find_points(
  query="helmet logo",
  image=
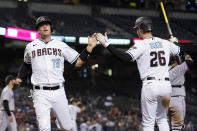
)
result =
(42, 19)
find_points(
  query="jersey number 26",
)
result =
(158, 59)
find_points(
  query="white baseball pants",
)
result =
(74, 126)
(47, 100)
(153, 108)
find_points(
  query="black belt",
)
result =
(4, 110)
(178, 96)
(47, 88)
(153, 78)
(177, 86)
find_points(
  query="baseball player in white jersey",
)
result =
(84, 126)
(74, 110)
(95, 126)
(152, 56)
(177, 106)
(7, 107)
(45, 56)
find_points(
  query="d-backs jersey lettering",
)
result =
(47, 60)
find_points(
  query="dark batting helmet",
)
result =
(143, 23)
(43, 19)
(9, 78)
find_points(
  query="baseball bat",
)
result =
(168, 27)
(166, 19)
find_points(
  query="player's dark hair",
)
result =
(9, 78)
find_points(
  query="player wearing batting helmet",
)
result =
(43, 19)
(45, 57)
(152, 55)
(144, 23)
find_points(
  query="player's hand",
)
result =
(188, 57)
(18, 81)
(83, 108)
(173, 39)
(103, 39)
(91, 42)
(10, 119)
(78, 103)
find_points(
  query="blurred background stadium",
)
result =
(108, 89)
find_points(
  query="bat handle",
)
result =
(169, 30)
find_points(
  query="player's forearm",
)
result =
(82, 109)
(89, 49)
(83, 57)
(122, 56)
(23, 70)
(6, 107)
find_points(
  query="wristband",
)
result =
(84, 55)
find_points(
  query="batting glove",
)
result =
(103, 39)
(173, 40)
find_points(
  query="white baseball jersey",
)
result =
(95, 127)
(177, 77)
(73, 109)
(83, 127)
(7, 94)
(47, 60)
(152, 56)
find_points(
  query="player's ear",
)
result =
(38, 30)
(141, 31)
